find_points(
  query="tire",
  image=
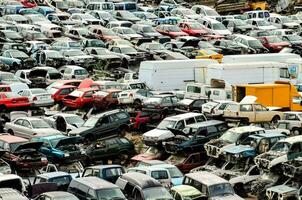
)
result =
(296, 131)
(275, 119)
(2, 108)
(239, 190)
(124, 157)
(122, 131)
(11, 132)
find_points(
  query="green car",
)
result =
(186, 192)
(113, 148)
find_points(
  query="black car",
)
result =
(190, 105)
(62, 179)
(194, 136)
(107, 124)
(163, 104)
(229, 47)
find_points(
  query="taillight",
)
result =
(35, 99)
(130, 95)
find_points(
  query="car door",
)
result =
(16, 127)
(98, 150)
(247, 112)
(27, 130)
(191, 162)
(103, 127)
(112, 147)
(87, 98)
(261, 113)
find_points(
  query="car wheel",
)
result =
(123, 131)
(11, 132)
(296, 131)
(275, 119)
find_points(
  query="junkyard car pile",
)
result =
(97, 102)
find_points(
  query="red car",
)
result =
(172, 31)
(5, 88)
(10, 100)
(140, 119)
(187, 162)
(58, 93)
(192, 28)
(79, 98)
(106, 99)
(274, 43)
(28, 3)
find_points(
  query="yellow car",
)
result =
(208, 54)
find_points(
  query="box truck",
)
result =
(173, 74)
(247, 72)
(283, 95)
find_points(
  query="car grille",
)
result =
(212, 150)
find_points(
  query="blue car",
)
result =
(176, 175)
(61, 149)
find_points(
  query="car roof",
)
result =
(104, 166)
(183, 116)
(268, 134)
(58, 194)
(152, 162)
(95, 183)
(52, 175)
(206, 178)
(245, 37)
(293, 139)
(186, 190)
(244, 129)
(141, 180)
(12, 139)
(205, 123)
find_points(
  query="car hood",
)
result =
(29, 145)
(193, 16)
(281, 189)
(66, 141)
(157, 133)
(46, 131)
(79, 130)
(237, 149)
(228, 197)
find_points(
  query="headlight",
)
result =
(82, 151)
(237, 155)
(43, 159)
(66, 154)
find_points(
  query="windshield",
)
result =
(74, 53)
(148, 29)
(8, 77)
(274, 39)
(74, 44)
(173, 29)
(109, 194)
(196, 26)
(127, 50)
(156, 193)
(108, 32)
(286, 20)
(255, 44)
(210, 12)
(263, 23)
(87, 16)
(294, 37)
(174, 172)
(163, 125)
(83, 32)
(39, 124)
(156, 46)
(239, 22)
(230, 136)
(18, 54)
(281, 147)
(91, 122)
(220, 190)
(188, 12)
(74, 120)
(128, 31)
(218, 26)
(13, 146)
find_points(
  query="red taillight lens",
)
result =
(35, 99)
(130, 95)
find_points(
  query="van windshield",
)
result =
(220, 190)
(108, 194)
(166, 124)
(154, 193)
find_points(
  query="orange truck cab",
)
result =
(280, 94)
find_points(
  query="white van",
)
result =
(162, 175)
(257, 14)
(105, 6)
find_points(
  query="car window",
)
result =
(88, 94)
(200, 118)
(88, 172)
(180, 125)
(166, 100)
(122, 115)
(246, 108)
(26, 124)
(190, 121)
(19, 122)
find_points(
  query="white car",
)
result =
(29, 127)
(283, 22)
(214, 26)
(73, 72)
(64, 122)
(38, 97)
(185, 13)
(261, 24)
(22, 75)
(136, 96)
(215, 108)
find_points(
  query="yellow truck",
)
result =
(280, 94)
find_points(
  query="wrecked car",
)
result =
(64, 122)
(43, 76)
(16, 59)
(283, 151)
(193, 137)
(62, 179)
(50, 58)
(61, 149)
(186, 162)
(103, 100)
(214, 148)
(21, 154)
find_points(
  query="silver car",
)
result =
(65, 122)
(38, 97)
(29, 127)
